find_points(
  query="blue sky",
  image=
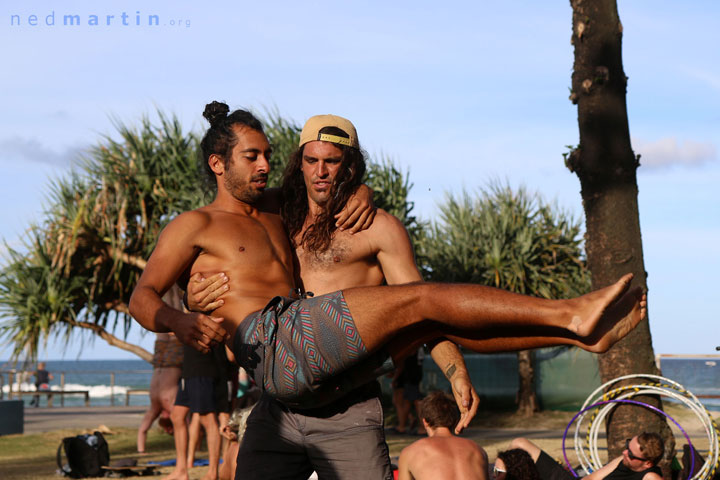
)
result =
(460, 93)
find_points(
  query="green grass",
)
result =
(32, 456)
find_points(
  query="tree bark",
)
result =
(606, 166)
(527, 399)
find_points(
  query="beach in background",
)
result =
(492, 375)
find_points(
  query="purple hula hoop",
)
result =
(634, 402)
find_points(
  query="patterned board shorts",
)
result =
(168, 353)
(306, 353)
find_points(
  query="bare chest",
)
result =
(245, 241)
(350, 261)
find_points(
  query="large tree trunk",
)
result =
(527, 399)
(606, 166)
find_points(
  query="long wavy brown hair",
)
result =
(317, 237)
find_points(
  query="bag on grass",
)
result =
(85, 455)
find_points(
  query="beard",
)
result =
(242, 190)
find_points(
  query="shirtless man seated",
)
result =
(277, 342)
(442, 456)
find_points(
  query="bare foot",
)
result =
(210, 476)
(177, 475)
(589, 310)
(619, 320)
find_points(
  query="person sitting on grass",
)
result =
(442, 455)
(638, 461)
(515, 464)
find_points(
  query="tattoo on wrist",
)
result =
(450, 371)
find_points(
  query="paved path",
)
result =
(79, 418)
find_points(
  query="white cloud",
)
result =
(30, 149)
(668, 151)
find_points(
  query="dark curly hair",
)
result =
(220, 137)
(318, 236)
(519, 465)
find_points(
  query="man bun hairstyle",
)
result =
(216, 112)
(220, 137)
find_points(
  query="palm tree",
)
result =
(79, 266)
(511, 240)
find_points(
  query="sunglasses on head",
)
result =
(630, 454)
(496, 471)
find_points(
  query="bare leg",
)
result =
(163, 387)
(402, 407)
(468, 312)
(167, 385)
(212, 437)
(194, 439)
(630, 309)
(178, 416)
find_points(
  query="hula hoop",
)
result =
(634, 402)
(609, 400)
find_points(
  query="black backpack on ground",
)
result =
(85, 455)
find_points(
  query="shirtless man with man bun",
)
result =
(344, 439)
(302, 365)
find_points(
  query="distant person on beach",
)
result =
(407, 395)
(202, 394)
(167, 368)
(638, 461)
(312, 351)
(42, 382)
(442, 455)
(515, 464)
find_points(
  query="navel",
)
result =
(241, 249)
(336, 259)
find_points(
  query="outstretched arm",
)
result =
(173, 254)
(398, 264)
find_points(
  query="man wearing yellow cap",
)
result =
(344, 439)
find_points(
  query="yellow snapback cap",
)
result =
(311, 131)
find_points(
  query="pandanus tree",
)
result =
(509, 239)
(79, 265)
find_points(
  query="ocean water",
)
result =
(92, 375)
(700, 376)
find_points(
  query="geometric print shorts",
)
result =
(306, 352)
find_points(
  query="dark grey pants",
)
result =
(344, 441)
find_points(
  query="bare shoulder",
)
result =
(414, 448)
(187, 225)
(200, 217)
(652, 476)
(386, 227)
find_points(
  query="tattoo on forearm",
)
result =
(450, 371)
